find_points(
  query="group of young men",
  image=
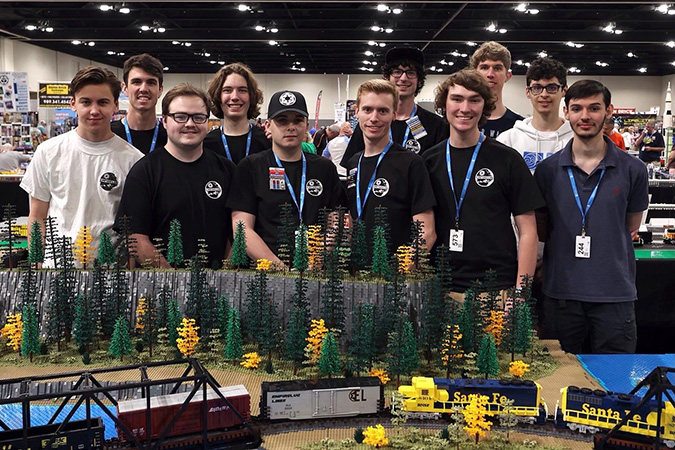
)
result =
(468, 189)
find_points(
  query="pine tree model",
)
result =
(239, 258)
(120, 343)
(106, 251)
(233, 346)
(36, 252)
(174, 253)
(329, 361)
(30, 339)
(83, 328)
(487, 361)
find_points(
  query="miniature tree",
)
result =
(60, 307)
(380, 266)
(295, 338)
(97, 298)
(120, 343)
(83, 251)
(300, 302)
(518, 368)
(381, 219)
(523, 328)
(222, 314)
(420, 255)
(315, 339)
(507, 416)
(475, 414)
(28, 289)
(30, 336)
(402, 348)
(488, 285)
(239, 258)
(301, 258)
(188, 340)
(487, 361)
(332, 303)
(9, 217)
(52, 239)
(117, 302)
(106, 251)
(381, 374)
(286, 237)
(233, 346)
(329, 361)
(315, 247)
(36, 254)
(256, 300)
(271, 331)
(375, 436)
(146, 322)
(433, 311)
(495, 326)
(404, 257)
(443, 268)
(392, 309)
(83, 328)
(174, 253)
(469, 367)
(359, 247)
(163, 298)
(174, 321)
(127, 244)
(456, 427)
(197, 301)
(361, 350)
(251, 361)
(451, 350)
(469, 322)
(13, 331)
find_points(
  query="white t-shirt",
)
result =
(82, 181)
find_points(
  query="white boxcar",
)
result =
(304, 399)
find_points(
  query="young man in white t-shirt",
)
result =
(78, 177)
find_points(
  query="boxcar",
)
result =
(74, 435)
(132, 413)
(304, 399)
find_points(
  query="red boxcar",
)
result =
(132, 413)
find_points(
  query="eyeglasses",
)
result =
(198, 118)
(537, 89)
(398, 73)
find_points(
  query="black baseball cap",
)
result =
(284, 101)
(400, 54)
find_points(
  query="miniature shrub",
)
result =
(358, 435)
(86, 358)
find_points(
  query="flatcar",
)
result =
(591, 411)
(430, 398)
(72, 435)
(132, 413)
(337, 397)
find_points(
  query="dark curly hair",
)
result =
(387, 70)
(545, 68)
(472, 80)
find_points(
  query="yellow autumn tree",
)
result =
(141, 311)
(381, 374)
(404, 257)
(251, 360)
(263, 264)
(316, 334)
(188, 337)
(83, 252)
(451, 350)
(475, 416)
(314, 246)
(375, 436)
(495, 326)
(13, 331)
(518, 368)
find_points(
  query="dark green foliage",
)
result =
(418, 246)
(296, 332)
(329, 360)
(381, 219)
(380, 266)
(174, 321)
(30, 338)
(341, 239)
(402, 348)
(443, 268)
(36, 252)
(523, 329)
(60, 306)
(120, 343)
(361, 348)
(174, 253)
(239, 258)
(163, 299)
(106, 251)
(28, 285)
(358, 435)
(52, 249)
(269, 367)
(233, 347)
(286, 237)
(149, 324)
(487, 361)
(86, 358)
(392, 309)
(433, 314)
(270, 335)
(222, 314)
(332, 303)
(139, 347)
(469, 322)
(44, 349)
(255, 301)
(126, 247)
(301, 258)
(359, 247)
(118, 302)
(98, 297)
(83, 329)
(444, 434)
(300, 301)
(491, 299)
(9, 217)
(197, 302)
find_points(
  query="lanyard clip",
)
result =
(457, 223)
(583, 231)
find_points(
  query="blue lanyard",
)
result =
(227, 148)
(154, 136)
(359, 205)
(302, 184)
(407, 128)
(448, 163)
(590, 199)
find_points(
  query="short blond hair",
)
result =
(378, 87)
(491, 50)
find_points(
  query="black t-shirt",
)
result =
(320, 140)
(251, 192)
(401, 184)
(237, 144)
(142, 140)
(160, 188)
(501, 185)
(652, 140)
(494, 128)
(437, 131)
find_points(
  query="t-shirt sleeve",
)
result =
(659, 142)
(421, 193)
(524, 194)
(136, 202)
(242, 195)
(355, 146)
(638, 197)
(36, 179)
(540, 177)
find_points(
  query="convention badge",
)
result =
(456, 240)
(416, 127)
(582, 247)
(351, 178)
(277, 178)
(413, 146)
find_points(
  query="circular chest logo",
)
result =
(484, 177)
(213, 190)
(108, 181)
(287, 99)
(380, 187)
(413, 146)
(314, 187)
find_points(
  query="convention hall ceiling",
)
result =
(592, 37)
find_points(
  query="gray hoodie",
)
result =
(535, 145)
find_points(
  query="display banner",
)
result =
(15, 96)
(54, 95)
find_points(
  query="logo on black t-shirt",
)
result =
(213, 190)
(412, 145)
(484, 177)
(380, 187)
(314, 187)
(108, 181)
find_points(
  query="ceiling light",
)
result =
(522, 7)
(188, 44)
(243, 8)
(611, 28)
(91, 43)
(381, 44)
(642, 70)
(212, 62)
(601, 64)
(145, 27)
(274, 30)
(368, 53)
(166, 68)
(397, 10)
(110, 52)
(76, 42)
(573, 44)
(371, 43)
(631, 55)
(259, 28)
(206, 54)
(617, 31)
(161, 30)
(388, 30)
(671, 44)
(273, 42)
(125, 10)
(671, 12)
(222, 63)
(31, 27)
(175, 42)
(471, 44)
(375, 28)
(574, 70)
(491, 27)
(105, 7)
(543, 54)
(662, 8)
(49, 29)
(382, 7)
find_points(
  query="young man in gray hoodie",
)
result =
(538, 137)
